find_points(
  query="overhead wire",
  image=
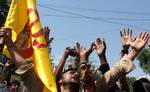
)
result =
(97, 10)
(107, 18)
(92, 18)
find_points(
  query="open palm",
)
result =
(126, 38)
(140, 41)
(101, 47)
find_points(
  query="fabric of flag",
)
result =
(16, 20)
(17, 16)
(29, 14)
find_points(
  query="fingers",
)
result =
(121, 34)
(46, 31)
(78, 46)
(50, 41)
(146, 37)
(130, 33)
(140, 35)
(93, 46)
(104, 42)
(100, 41)
(125, 32)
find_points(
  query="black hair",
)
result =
(14, 82)
(69, 69)
(73, 86)
(141, 85)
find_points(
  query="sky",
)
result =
(83, 21)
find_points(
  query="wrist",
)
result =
(101, 55)
(124, 51)
(132, 55)
(125, 48)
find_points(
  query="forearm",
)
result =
(103, 59)
(104, 67)
(123, 52)
(60, 66)
(132, 55)
(19, 60)
(119, 70)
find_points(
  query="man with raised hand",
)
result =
(124, 66)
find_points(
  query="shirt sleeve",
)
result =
(103, 68)
(119, 70)
(123, 67)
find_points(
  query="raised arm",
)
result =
(138, 44)
(85, 53)
(125, 65)
(101, 50)
(126, 38)
(19, 60)
(62, 62)
(47, 36)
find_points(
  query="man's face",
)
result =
(71, 77)
(14, 88)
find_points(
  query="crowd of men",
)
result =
(79, 76)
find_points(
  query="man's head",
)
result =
(70, 80)
(141, 85)
(70, 76)
(14, 86)
(85, 67)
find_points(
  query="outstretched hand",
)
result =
(140, 41)
(126, 37)
(47, 35)
(100, 47)
(84, 53)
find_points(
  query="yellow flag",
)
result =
(17, 16)
(42, 63)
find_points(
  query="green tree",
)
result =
(130, 81)
(144, 58)
(4, 7)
